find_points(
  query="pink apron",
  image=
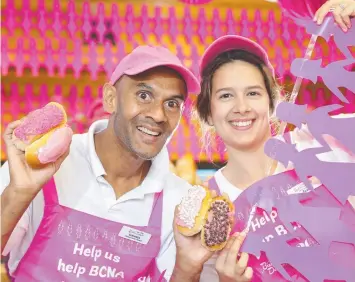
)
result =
(263, 269)
(70, 245)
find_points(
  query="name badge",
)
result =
(135, 235)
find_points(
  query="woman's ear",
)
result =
(209, 121)
(109, 98)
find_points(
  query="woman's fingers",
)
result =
(231, 258)
(338, 18)
(242, 264)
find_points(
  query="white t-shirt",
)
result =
(81, 186)
(209, 273)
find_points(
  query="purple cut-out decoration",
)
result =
(15, 92)
(194, 58)
(202, 30)
(258, 23)
(299, 35)
(62, 57)
(71, 19)
(28, 96)
(33, 62)
(49, 58)
(87, 99)
(57, 26)
(179, 53)
(77, 64)
(115, 28)
(244, 23)
(26, 22)
(173, 25)
(86, 19)
(120, 51)
(4, 57)
(187, 24)
(285, 33)
(272, 23)
(158, 29)
(319, 122)
(129, 22)
(279, 63)
(311, 69)
(109, 64)
(93, 65)
(101, 28)
(19, 57)
(216, 29)
(10, 21)
(307, 164)
(230, 22)
(145, 22)
(42, 19)
(43, 95)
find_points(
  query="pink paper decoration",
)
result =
(78, 39)
(197, 2)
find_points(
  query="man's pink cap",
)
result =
(145, 57)
(234, 42)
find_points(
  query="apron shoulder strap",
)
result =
(212, 185)
(50, 193)
(156, 215)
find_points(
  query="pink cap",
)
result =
(146, 57)
(234, 42)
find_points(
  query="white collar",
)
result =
(155, 179)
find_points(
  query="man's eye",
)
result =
(173, 104)
(144, 96)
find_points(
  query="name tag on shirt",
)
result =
(135, 235)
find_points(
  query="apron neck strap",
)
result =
(157, 211)
(212, 185)
(50, 193)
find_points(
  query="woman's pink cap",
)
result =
(146, 57)
(234, 42)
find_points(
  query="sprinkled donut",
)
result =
(212, 217)
(43, 135)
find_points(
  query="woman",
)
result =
(237, 100)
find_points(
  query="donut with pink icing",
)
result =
(44, 135)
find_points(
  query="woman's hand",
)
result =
(232, 267)
(342, 11)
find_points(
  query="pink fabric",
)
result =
(144, 58)
(234, 42)
(74, 246)
(264, 224)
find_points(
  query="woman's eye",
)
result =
(225, 96)
(253, 93)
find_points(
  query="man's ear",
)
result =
(109, 98)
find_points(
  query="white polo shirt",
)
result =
(81, 186)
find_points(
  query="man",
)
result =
(108, 211)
